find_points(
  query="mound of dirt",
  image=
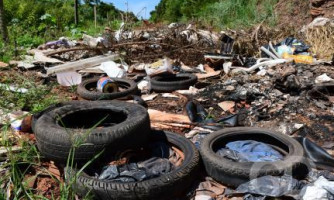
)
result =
(323, 8)
(293, 13)
(296, 13)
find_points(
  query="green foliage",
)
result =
(36, 99)
(238, 13)
(29, 41)
(5, 55)
(216, 13)
(176, 10)
(33, 22)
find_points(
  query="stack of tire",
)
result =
(92, 127)
(160, 83)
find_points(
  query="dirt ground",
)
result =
(280, 100)
(294, 14)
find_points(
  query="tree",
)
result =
(76, 13)
(3, 26)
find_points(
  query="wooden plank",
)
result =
(82, 64)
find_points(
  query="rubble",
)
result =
(280, 90)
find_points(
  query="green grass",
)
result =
(36, 99)
(238, 14)
(14, 184)
(27, 39)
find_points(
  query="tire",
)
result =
(36, 116)
(83, 89)
(170, 83)
(235, 173)
(125, 125)
(165, 186)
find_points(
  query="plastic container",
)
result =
(305, 59)
(106, 85)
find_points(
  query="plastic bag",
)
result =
(159, 67)
(148, 169)
(249, 151)
(69, 78)
(298, 45)
(272, 186)
(114, 70)
(319, 190)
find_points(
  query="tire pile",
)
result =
(123, 126)
(161, 83)
(105, 128)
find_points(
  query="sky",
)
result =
(136, 6)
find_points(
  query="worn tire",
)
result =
(130, 128)
(96, 95)
(235, 173)
(165, 186)
(169, 83)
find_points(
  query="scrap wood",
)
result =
(226, 105)
(82, 64)
(208, 69)
(208, 75)
(209, 187)
(87, 48)
(179, 157)
(82, 48)
(161, 125)
(3, 65)
(39, 57)
(176, 122)
(156, 115)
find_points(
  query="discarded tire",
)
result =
(110, 125)
(169, 83)
(165, 186)
(87, 89)
(235, 173)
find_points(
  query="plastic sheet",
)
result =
(69, 78)
(249, 151)
(136, 171)
(156, 165)
(272, 186)
(319, 190)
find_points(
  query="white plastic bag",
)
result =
(159, 67)
(114, 70)
(69, 78)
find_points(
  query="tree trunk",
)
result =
(3, 26)
(95, 15)
(76, 13)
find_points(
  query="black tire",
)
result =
(130, 127)
(84, 92)
(169, 83)
(166, 186)
(36, 116)
(235, 173)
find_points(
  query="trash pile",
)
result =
(140, 92)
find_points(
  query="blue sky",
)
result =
(136, 6)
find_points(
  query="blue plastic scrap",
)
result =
(249, 151)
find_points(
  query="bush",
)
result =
(238, 13)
